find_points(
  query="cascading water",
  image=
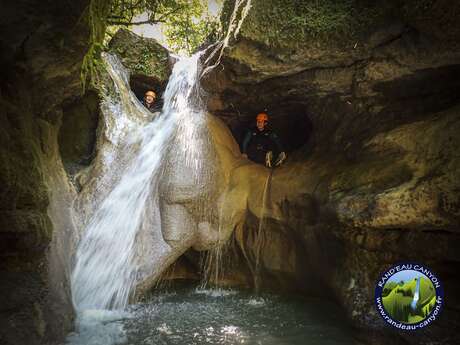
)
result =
(153, 196)
(156, 199)
(108, 258)
(416, 295)
(260, 236)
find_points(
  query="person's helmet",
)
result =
(150, 93)
(262, 117)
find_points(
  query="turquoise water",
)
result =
(194, 316)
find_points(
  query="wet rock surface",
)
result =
(373, 181)
(370, 117)
(148, 62)
(41, 51)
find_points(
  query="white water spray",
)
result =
(105, 273)
(416, 294)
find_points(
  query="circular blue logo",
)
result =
(409, 296)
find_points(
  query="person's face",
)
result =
(261, 124)
(149, 98)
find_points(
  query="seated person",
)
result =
(149, 101)
(260, 142)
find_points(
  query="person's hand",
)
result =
(281, 158)
(268, 159)
(244, 155)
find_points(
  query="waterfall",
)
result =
(416, 294)
(260, 237)
(107, 268)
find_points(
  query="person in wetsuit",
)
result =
(149, 102)
(260, 142)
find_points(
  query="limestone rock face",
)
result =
(364, 96)
(148, 62)
(77, 135)
(370, 176)
(50, 143)
(137, 64)
(42, 46)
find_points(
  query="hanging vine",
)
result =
(96, 14)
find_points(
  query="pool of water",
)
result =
(200, 316)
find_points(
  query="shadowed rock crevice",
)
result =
(77, 134)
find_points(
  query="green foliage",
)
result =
(187, 27)
(159, 11)
(96, 15)
(319, 16)
(187, 30)
(397, 303)
(122, 12)
(280, 22)
(143, 65)
(389, 286)
(426, 310)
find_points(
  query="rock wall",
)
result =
(148, 62)
(364, 97)
(370, 179)
(42, 46)
(104, 133)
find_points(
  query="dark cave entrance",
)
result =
(291, 122)
(140, 84)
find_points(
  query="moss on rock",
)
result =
(143, 56)
(289, 23)
(293, 23)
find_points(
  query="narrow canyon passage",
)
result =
(129, 222)
(153, 180)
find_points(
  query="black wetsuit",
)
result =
(257, 143)
(153, 108)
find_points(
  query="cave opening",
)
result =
(290, 121)
(139, 84)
